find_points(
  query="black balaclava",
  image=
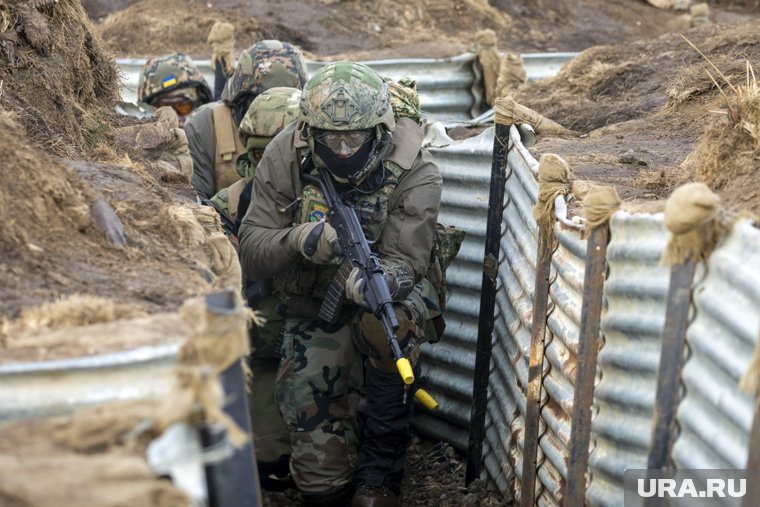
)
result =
(345, 167)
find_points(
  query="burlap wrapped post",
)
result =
(693, 216)
(509, 112)
(216, 340)
(222, 41)
(599, 204)
(488, 58)
(512, 74)
(554, 178)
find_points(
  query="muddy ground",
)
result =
(647, 118)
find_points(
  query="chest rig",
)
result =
(370, 200)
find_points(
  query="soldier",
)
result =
(347, 126)
(212, 131)
(268, 114)
(173, 80)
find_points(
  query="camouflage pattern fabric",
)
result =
(346, 96)
(404, 98)
(266, 64)
(171, 72)
(448, 240)
(267, 115)
(371, 209)
(318, 371)
(415, 315)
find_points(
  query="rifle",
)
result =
(353, 243)
(227, 226)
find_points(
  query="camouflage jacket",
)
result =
(406, 239)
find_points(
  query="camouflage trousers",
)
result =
(319, 380)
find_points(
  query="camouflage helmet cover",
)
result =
(346, 96)
(171, 72)
(266, 64)
(405, 101)
(268, 114)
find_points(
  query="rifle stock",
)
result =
(353, 243)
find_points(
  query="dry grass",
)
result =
(730, 150)
(73, 311)
(695, 81)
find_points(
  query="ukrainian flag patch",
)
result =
(169, 81)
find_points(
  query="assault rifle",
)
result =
(353, 243)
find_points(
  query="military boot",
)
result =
(368, 496)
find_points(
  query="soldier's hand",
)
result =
(317, 241)
(355, 286)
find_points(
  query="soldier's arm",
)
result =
(199, 129)
(263, 234)
(408, 236)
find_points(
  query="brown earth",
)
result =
(646, 109)
(642, 108)
(363, 29)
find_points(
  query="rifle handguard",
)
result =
(405, 369)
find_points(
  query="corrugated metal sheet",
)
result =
(545, 65)
(448, 365)
(635, 292)
(715, 416)
(444, 84)
(48, 388)
(511, 351)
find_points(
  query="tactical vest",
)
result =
(228, 148)
(372, 210)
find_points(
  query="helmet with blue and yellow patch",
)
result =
(171, 72)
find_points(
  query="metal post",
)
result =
(233, 482)
(585, 375)
(671, 363)
(487, 303)
(752, 498)
(536, 367)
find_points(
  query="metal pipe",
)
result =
(588, 349)
(671, 364)
(536, 366)
(487, 303)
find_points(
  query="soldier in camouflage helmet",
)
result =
(173, 80)
(268, 114)
(379, 167)
(212, 131)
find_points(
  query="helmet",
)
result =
(265, 65)
(168, 73)
(346, 96)
(268, 114)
